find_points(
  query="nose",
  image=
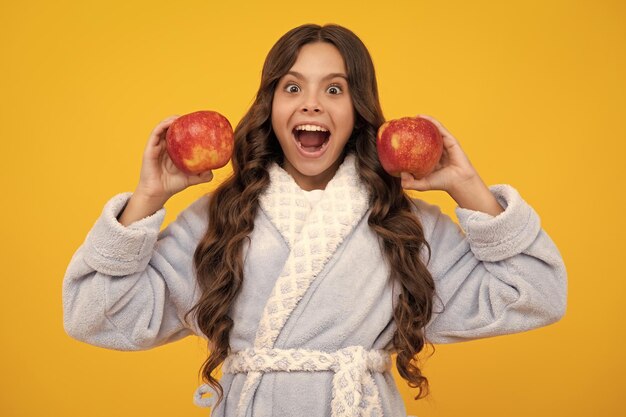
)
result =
(311, 104)
(312, 108)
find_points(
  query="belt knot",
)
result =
(354, 391)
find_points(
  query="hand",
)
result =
(160, 178)
(452, 172)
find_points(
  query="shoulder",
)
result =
(426, 212)
(429, 215)
(198, 210)
(194, 219)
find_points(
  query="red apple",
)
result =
(409, 144)
(200, 141)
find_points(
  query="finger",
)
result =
(409, 182)
(427, 117)
(450, 142)
(201, 178)
(157, 133)
(437, 123)
(406, 179)
(405, 176)
(168, 164)
(416, 185)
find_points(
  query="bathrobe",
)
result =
(313, 323)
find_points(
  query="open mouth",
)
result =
(311, 139)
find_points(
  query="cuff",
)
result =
(113, 249)
(494, 239)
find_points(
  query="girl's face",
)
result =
(313, 115)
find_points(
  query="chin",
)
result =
(311, 169)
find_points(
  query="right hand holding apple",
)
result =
(160, 178)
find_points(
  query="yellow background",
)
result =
(533, 90)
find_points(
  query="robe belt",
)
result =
(354, 391)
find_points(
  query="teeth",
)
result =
(311, 128)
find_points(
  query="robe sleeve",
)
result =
(493, 275)
(128, 288)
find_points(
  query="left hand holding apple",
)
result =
(455, 175)
(453, 169)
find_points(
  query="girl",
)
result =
(310, 265)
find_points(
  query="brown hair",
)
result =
(233, 206)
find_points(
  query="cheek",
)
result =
(348, 118)
(348, 112)
(275, 119)
(278, 127)
(280, 112)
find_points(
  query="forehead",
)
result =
(319, 58)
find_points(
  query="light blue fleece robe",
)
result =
(128, 288)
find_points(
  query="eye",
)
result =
(334, 89)
(292, 88)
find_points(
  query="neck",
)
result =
(313, 182)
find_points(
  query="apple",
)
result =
(409, 144)
(200, 141)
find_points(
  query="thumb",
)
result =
(201, 178)
(410, 183)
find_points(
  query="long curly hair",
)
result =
(232, 209)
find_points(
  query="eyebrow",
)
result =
(329, 76)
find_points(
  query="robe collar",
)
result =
(345, 201)
(312, 234)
